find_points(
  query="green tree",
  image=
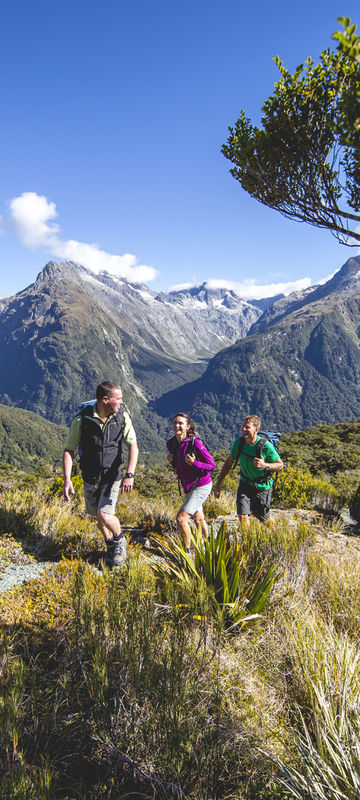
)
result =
(305, 159)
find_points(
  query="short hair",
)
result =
(254, 419)
(189, 421)
(106, 389)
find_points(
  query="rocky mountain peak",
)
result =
(346, 281)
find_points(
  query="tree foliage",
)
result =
(305, 159)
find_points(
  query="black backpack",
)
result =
(265, 436)
(191, 449)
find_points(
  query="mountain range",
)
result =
(299, 365)
(294, 360)
(71, 329)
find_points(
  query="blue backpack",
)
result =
(87, 403)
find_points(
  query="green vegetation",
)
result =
(304, 161)
(302, 370)
(324, 448)
(29, 441)
(230, 675)
(328, 453)
(238, 591)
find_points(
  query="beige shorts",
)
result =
(99, 498)
(195, 498)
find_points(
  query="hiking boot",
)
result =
(109, 558)
(115, 552)
(119, 551)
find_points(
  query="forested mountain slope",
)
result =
(303, 368)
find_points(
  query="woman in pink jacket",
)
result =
(193, 465)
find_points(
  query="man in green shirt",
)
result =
(255, 487)
(101, 430)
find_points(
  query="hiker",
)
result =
(258, 459)
(100, 430)
(192, 463)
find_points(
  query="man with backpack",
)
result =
(100, 430)
(258, 459)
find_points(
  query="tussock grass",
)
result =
(326, 685)
(132, 688)
(142, 696)
(224, 506)
(57, 527)
(152, 515)
(336, 589)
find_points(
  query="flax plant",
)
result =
(238, 594)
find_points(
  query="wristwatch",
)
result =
(129, 475)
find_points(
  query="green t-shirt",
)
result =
(248, 471)
(74, 432)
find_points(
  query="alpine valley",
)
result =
(298, 366)
(293, 360)
(71, 329)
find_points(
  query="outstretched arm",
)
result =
(68, 458)
(224, 471)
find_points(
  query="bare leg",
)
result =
(199, 519)
(244, 520)
(182, 520)
(109, 525)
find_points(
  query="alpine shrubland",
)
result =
(233, 675)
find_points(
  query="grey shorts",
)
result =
(98, 498)
(195, 498)
(251, 499)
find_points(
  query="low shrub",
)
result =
(57, 486)
(295, 488)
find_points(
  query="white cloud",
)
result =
(182, 287)
(30, 217)
(249, 289)
(30, 214)
(325, 280)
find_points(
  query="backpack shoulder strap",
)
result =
(85, 411)
(260, 444)
(171, 445)
(239, 451)
(191, 448)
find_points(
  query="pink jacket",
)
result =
(198, 473)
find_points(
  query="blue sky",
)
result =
(113, 117)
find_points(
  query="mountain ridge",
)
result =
(206, 351)
(301, 369)
(70, 329)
